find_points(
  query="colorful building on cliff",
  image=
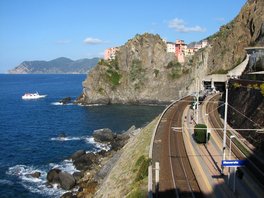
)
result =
(180, 47)
(170, 47)
(182, 51)
(110, 53)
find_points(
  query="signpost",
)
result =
(233, 163)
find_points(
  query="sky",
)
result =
(76, 29)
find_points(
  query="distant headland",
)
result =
(60, 65)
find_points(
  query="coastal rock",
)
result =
(103, 135)
(66, 100)
(77, 176)
(66, 180)
(68, 195)
(85, 162)
(53, 176)
(78, 154)
(35, 174)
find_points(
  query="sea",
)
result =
(30, 130)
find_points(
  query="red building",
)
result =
(180, 47)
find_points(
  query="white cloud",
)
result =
(92, 41)
(180, 26)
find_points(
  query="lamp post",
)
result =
(225, 124)
(197, 100)
(230, 145)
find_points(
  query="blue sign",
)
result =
(233, 163)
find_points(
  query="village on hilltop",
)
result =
(179, 48)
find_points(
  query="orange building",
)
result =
(110, 53)
(180, 47)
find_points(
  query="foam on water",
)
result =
(6, 182)
(39, 185)
(60, 103)
(66, 166)
(90, 140)
(90, 105)
(98, 146)
(66, 138)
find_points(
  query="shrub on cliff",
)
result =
(142, 168)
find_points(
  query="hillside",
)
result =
(227, 46)
(57, 66)
(128, 178)
(143, 72)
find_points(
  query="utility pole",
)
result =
(225, 123)
(197, 102)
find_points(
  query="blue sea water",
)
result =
(29, 129)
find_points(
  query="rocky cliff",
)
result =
(144, 72)
(246, 105)
(227, 47)
(57, 66)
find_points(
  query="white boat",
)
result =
(32, 96)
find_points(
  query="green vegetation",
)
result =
(200, 131)
(142, 168)
(236, 85)
(156, 72)
(221, 71)
(137, 73)
(112, 73)
(241, 148)
(138, 193)
(262, 89)
(101, 90)
(175, 69)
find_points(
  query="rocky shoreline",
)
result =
(92, 167)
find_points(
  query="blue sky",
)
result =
(48, 29)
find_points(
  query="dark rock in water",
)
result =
(68, 195)
(35, 174)
(53, 176)
(77, 154)
(116, 145)
(67, 181)
(103, 135)
(77, 176)
(65, 100)
(102, 153)
(85, 162)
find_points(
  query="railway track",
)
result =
(176, 178)
(254, 166)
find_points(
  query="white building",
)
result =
(171, 47)
(204, 43)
